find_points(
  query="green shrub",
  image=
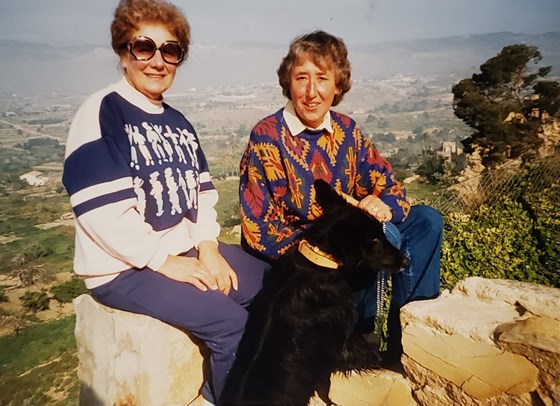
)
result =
(67, 291)
(544, 209)
(35, 301)
(514, 240)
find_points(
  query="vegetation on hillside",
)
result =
(38, 365)
(515, 237)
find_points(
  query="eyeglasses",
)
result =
(144, 49)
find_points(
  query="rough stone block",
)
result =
(132, 359)
(487, 342)
(376, 388)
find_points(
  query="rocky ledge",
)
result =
(487, 342)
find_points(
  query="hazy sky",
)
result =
(74, 22)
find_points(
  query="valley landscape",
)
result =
(401, 98)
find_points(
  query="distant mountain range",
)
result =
(33, 69)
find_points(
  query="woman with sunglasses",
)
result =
(140, 188)
(306, 140)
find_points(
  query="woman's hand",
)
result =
(211, 259)
(376, 207)
(189, 270)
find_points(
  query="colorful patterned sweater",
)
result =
(278, 170)
(138, 183)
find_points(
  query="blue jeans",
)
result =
(420, 237)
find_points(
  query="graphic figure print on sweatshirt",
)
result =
(136, 175)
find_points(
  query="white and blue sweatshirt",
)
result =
(138, 183)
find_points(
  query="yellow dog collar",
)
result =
(315, 255)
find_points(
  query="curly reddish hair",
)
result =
(130, 14)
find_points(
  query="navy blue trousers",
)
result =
(215, 318)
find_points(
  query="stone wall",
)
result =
(488, 342)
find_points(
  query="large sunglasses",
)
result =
(144, 49)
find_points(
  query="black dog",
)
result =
(301, 324)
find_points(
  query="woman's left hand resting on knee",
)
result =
(210, 270)
(211, 259)
(189, 270)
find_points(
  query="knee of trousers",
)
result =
(228, 332)
(427, 217)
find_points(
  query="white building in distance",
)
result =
(34, 178)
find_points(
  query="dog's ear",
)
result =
(326, 196)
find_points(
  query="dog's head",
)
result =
(354, 238)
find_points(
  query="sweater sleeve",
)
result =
(377, 178)
(265, 228)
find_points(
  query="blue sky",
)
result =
(75, 22)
